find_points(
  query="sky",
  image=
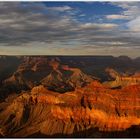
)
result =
(70, 28)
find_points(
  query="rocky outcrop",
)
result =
(48, 113)
(66, 79)
(49, 72)
(77, 78)
(121, 81)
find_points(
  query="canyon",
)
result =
(63, 96)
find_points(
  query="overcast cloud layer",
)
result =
(65, 29)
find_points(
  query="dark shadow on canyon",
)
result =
(132, 132)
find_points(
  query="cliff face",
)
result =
(120, 80)
(49, 72)
(28, 73)
(48, 113)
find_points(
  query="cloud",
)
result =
(98, 26)
(60, 9)
(30, 22)
(24, 23)
(56, 30)
(134, 25)
(130, 9)
(115, 17)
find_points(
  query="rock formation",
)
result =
(121, 81)
(48, 113)
(32, 103)
(49, 72)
